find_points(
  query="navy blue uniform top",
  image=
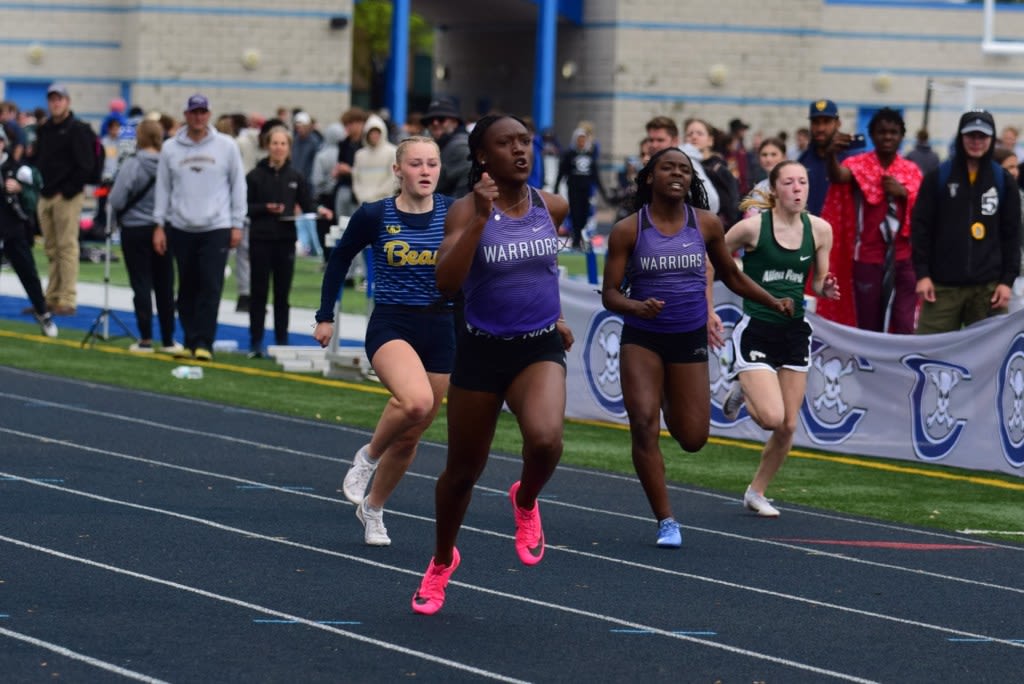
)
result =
(404, 254)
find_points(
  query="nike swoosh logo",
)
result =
(539, 548)
(536, 229)
(688, 244)
(804, 258)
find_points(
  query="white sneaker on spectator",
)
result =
(47, 325)
(760, 505)
(374, 532)
(357, 479)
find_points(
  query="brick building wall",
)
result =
(157, 52)
(760, 60)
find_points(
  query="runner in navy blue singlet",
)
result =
(410, 339)
(656, 277)
(500, 248)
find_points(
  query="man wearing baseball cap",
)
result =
(65, 153)
(965, 232)
(824, 120)
(199, 209)
(446, 126)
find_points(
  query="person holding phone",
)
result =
(869, 203)
(824, 123)
(275, 188)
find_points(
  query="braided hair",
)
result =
(696, 195)
(476, 142)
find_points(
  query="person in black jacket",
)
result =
(965, 233)
(65, 154)
(16, 180)
(275, 189)
(448, 128)
(579, 168)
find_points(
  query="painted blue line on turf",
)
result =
(293, 488)
(4, 615)
(52, 480)
(272, 621)
(647, 631)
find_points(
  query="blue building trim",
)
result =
(170, 9)
(62, 43)
(544, 65)
(801, 103)
(398, 66)
(951, 5)
(121, 84)
(788, 31)
(921, 72)
(570, 10)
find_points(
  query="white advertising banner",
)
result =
(954, 399)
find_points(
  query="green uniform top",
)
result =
(780, 271)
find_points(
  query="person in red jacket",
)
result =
(869, 203)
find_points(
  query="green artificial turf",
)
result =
(899, 491)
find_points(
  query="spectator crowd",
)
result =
(921, 244)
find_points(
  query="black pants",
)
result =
(201, 258)
(579, 214)
(19, 253)
(149, 274)
(270, 258)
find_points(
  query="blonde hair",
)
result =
(404, 146)
(764, 201)
(280, 129)
(149, 134)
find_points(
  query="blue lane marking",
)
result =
(4, 615)
(978, 640)
(51, 480)
(680, 632)
(542, 497)
(295, 488)
(282, 621)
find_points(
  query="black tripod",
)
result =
(100, 327)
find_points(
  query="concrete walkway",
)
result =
(232, 328)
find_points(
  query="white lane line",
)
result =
(420, 654)
(508, 459)
(579, 507)
(584, 554)
(1006, 532)
(261, 609)
(81, 657)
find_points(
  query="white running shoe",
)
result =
(47, 325)
(357, 479)
(374, 534)
(733, 401)
(760, 505)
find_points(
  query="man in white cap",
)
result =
(199, 209)
(965, 232)
(307, 143)
(65, 156)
